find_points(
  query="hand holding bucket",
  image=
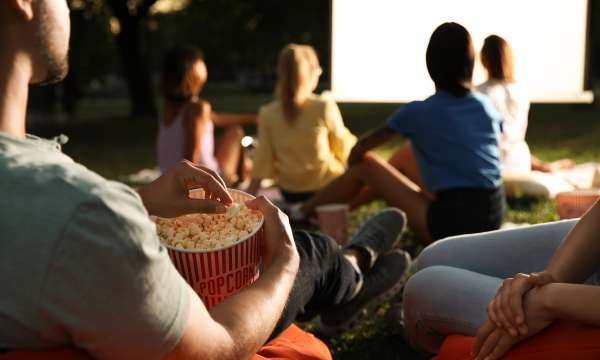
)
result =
(221, 272)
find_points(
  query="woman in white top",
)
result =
(513, 104)
(187, 122)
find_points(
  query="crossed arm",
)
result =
(528, 303)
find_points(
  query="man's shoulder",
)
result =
(38, 183)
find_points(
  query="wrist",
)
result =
(547, 296)
(285, 262)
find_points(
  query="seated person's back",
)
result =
(303, 149)
(303, 143)
(454, 138)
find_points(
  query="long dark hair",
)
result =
(450, 58)
(497, 58)
(177, 83)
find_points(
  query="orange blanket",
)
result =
(562, 340)
(292, 344)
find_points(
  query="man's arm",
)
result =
(240, 325)
(237, 327)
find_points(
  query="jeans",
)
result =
(325, 279)
(457, 277)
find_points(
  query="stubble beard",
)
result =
(57, 65)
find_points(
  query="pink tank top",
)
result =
(171, 140)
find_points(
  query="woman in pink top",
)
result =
(187, 122)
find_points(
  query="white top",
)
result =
(513, 104)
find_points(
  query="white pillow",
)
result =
(535, 184)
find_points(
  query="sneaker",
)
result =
(381, 283)
(379, 234)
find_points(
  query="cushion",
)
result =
(535, 184)
(562, 340)
(55, 354)
(292, 344)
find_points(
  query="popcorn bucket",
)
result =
(218, 274)
(333, 221)
(574, 204)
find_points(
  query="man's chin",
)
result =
(54, 75)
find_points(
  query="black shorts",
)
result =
(465, 211)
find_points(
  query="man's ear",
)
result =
(23, 7)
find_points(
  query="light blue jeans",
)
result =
(457, 277)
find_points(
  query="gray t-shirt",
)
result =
(80, 261)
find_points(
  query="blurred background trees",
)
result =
(117, 45)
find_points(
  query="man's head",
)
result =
(450, 58)
(39, 31)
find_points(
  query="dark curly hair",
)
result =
(177, 83)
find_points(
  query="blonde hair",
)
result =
(297, 66)
(497, 58)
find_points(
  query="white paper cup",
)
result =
(333, 221)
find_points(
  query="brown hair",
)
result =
(450, 58)
(296, 65)
(497, 58)
(178, 82)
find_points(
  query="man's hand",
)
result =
(506, 309)
(278, 244)
(492, 341)
(168, 196)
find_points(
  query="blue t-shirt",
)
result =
(455, 140)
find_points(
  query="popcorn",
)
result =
(234, 209)
(208, 231)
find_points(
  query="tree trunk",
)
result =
(135, 70)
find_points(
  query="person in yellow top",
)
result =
(303, 143)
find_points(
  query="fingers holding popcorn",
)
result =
(214, 187)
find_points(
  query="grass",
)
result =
(104, 139)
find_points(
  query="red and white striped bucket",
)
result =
(574, 204)
(218, 274)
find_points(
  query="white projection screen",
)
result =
(378, 46)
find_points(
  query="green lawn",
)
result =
(106, 141)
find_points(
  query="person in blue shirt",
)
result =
(454, 137)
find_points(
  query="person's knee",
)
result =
(369, 162)
(417, 302)
(432, 255)
(370, 159)
(420, 284)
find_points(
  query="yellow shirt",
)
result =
(306, 154)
